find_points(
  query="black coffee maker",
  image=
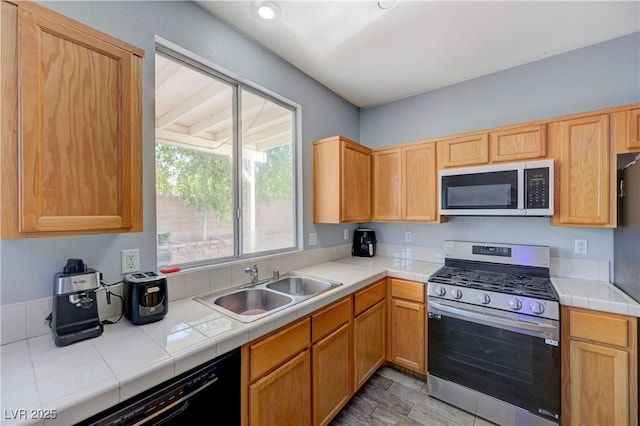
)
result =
(364, 242)
(75, 306)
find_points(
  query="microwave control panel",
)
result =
(537, 184)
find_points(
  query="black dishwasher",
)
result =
(211, 390)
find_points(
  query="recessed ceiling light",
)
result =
(386, 4)
(266, 10)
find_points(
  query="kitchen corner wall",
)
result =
(599, 76)
(27, 266)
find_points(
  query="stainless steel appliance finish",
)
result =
(250, 302)
(211, 391)
(511, 189)
(74, 315)
(146, 297)
(494, 332)
(626, 237)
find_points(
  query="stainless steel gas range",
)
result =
(494, 333)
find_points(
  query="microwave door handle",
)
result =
(521, 188)
(487, 318)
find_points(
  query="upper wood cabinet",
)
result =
(627, 124)
(461, 151)
(585, 174)
(71, 127)
(405, 183)
(341, 181)
(599, 368)
(386, 184)
(518, 143)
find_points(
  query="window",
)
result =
(225, 166)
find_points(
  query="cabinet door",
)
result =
(369, 343)
(598, 385)
(464, 151)
(356, 183)
(80, 132)
(633, 140)
(519, 143)
(283, 397)
(585, 172)
(408, 334)
(331, 360)
(420, 183)
(386, 184)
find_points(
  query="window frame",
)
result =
(190, 59)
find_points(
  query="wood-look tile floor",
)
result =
(392, 397)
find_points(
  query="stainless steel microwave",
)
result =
(512, 189)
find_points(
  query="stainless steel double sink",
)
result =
(250, 302)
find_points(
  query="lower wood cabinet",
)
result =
(283, 397)
(305, 372)
(408, 325)
(599, 368)
(331, 356)
(331, 375)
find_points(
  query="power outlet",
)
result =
(580, 246)
(407, 237)
(346, 234)
(130, 261)
(313, 239)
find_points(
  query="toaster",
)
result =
(145, 297)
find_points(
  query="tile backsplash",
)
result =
(25, 320)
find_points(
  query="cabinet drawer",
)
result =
(600, 327)
(364, 299)
(276, 349)
(409, 290)
(330, 318)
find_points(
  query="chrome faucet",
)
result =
(253, 271)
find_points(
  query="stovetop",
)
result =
(523, 285)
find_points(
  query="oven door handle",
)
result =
(499, 321)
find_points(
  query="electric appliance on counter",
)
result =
(494, 333)
(210, 391)
(514, 189)
(75, 309)
(364, 242)
(626, 237)
(145, 297)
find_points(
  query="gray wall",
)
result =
(27, 267)
(599, 76)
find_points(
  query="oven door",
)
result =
(485, 190)
(507, 358)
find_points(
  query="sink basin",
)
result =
(299, 286)
(248, 304)
(252, 301)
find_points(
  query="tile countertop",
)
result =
(87, 377)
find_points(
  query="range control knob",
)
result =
(484, 298)
(537, 307)
(440, 291)
(456, 293)
(515, 304)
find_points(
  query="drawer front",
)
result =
(364, 299)
(276, 349)
(408, 290)
(600, 327)
(330, 319)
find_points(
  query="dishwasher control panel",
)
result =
(164, 399)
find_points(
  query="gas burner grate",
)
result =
(512, 284)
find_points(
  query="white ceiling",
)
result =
(371, 56)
